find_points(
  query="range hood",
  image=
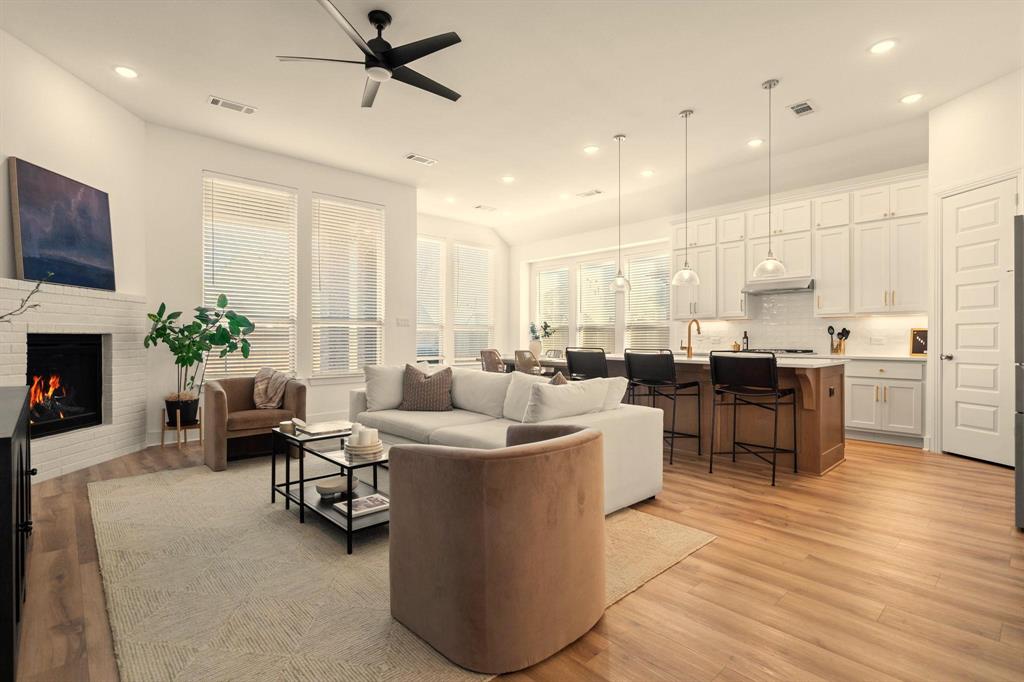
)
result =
(779, 285)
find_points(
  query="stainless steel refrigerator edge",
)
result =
(1018, 352)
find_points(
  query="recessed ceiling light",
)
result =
(508, 179)
(450, 200)
(591, 149)
(126, 72)
(563, 195)
(882, 46)
(912, 98)
(756, 142)
(646, 173)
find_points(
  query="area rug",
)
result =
(206, 580)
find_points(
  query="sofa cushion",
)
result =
(616, 390)
(487, 435)
(518, 395)
(423, 392)
(550, 401)
(383, 387)
(479, 391)
(417, 426)
(257, 419)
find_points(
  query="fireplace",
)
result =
(65, 379)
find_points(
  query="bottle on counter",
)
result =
(746, 340)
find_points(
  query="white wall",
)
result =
(175, 161)
(50, 118)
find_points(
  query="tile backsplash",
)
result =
(788, 321)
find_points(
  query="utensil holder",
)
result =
(838, 347)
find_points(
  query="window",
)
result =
(595, 315)
(647, 303)
(249, 234)
(552, 306)
(348, 285)
(473, 320)
(429, 299)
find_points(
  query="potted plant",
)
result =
(212, 329)
(537, 333)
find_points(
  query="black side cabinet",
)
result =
(15, 520)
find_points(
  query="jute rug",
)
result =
(206, 580)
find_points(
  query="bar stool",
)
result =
(751, 378)
(586, 363)
(652, 374)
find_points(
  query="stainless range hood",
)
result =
(779, 285)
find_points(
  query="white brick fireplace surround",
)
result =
(121, 320)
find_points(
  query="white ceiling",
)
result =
(539, 81)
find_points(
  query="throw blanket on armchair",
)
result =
(268, 389)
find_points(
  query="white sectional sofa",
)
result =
(486, 404)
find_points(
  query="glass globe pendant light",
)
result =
(620, 283)
(687, 276)
(770, 266)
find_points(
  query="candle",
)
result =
(369, 437)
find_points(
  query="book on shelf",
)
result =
(368, 504)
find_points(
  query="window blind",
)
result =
(647, 303)
(429, 299)
(552, 306)
(473, 319)
(595, 316)
(249, 234)
(348, 285)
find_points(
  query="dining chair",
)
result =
(490, 360)
(527, 362)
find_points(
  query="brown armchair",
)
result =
(229, 412)
(497, 556)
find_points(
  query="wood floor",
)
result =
(896, 565)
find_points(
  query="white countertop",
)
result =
(813, 362)
(887, 358)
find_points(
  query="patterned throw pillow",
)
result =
(558, 380)
(422, 392)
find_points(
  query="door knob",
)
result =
(946, 356)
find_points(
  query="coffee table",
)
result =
(302, 491)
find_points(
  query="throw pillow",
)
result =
(477, 391)
(616, 390)
(268, 388)
(549, 402)
(518, 395)
(383, 387)
(558, 380)
(422, 392)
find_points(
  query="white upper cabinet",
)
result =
(757, 223)
(832, 211)
(701, 233)
(871, 263)
(732, 227)
(871, 204)
(794, 250)
(889, 267)
(890, 201)
(700, 300)
(832, 271)
(792, 217)
(732, 277)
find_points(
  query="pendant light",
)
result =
(770, 266)
(620, 283)
(687, 276)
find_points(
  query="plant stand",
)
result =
(180, 430)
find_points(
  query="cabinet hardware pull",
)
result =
(885, 394)
(892, 298)
(741, 304)
(876, 393)
(885, 298)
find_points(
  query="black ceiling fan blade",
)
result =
(347, 27)
(370, 92)
(418, 80)
(293, 58)
(403, 54)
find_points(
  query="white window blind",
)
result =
(249, 233)
(647, 305)
(552, 306)
(348, 285)
(429, 299)
(595, 316)
(473, 318)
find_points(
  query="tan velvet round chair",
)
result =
(497, 556)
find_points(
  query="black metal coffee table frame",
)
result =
(307, 486)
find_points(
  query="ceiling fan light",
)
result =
(687, 277)
(770, 267)
(620, 283)
(378, 73)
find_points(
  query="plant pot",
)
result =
(535, 347)
(189, 411)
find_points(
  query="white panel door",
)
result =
(871, 262)
(757, 223)
(908, 273)
(977, 322)
(863, 404)
(871, 204)
(832, 211)
(792, 217)
(901, 407)
(794, 250)
(732, 227)
(908, 198)
(682, 297)
(705, 299)
(832, 271)
(732, 277)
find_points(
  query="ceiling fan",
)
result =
(383, 62)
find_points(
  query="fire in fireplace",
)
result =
(65, 381)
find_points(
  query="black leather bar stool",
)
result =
(652, 375)
(751, 378)
(586, 363)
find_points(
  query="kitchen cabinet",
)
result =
(701, 233)
(732, 277)
(832, 271)
(732, 227)
(889, 268)
(794, 250)
(897, 200)
(702, 300)
(885, 397)
(757, 223)
(901, 407)
(863, 408)
(794, 216)
(832, 211)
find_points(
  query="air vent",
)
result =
(802, 108)
(233, 106)
(589, 193)
(424, 160)
(484, 207)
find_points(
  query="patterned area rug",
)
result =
(206, 580)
